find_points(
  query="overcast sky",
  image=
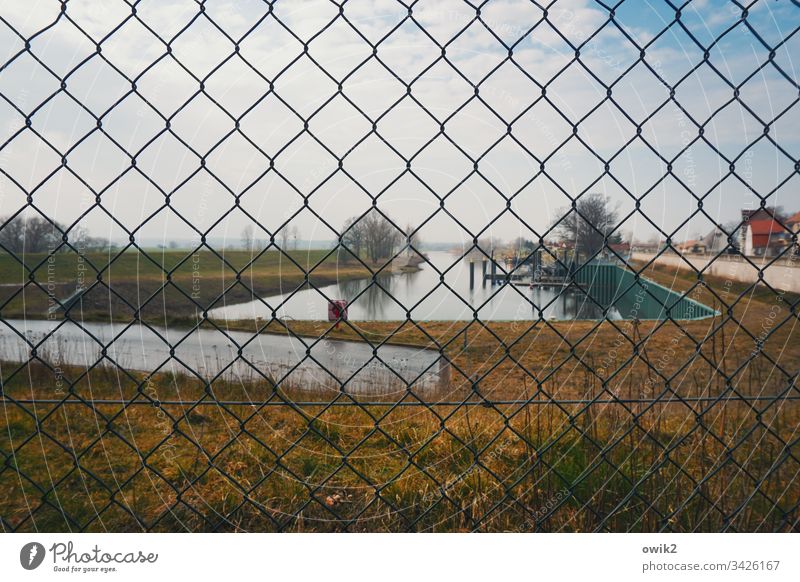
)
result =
(97, 87)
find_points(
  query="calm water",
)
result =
(210, 353)
(426, 298)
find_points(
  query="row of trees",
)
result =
(588, 229)
(374, 237)
(371, 236)
(37, 235)
(287, 238)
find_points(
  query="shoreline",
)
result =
(170, 290)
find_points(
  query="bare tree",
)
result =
(413, 238)
(283, 236)
(247, 237)
(590, 226)
(372, 233)
(353, 236)
(31, 235)
(12, 235)
(381, 237)
(80, 238)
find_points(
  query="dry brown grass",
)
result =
(700, 458)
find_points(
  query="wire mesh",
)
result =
(670, 423)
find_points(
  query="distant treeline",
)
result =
(35, 234)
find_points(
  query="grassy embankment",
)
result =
(165, 285)
(700, 459)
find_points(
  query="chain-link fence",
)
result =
(387, 266)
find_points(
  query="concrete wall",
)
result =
(783, 275)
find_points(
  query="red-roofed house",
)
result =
(762, 235)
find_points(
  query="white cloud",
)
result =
(270, 49)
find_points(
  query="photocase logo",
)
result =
(31, 555)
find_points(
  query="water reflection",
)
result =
(426, 297)
(307, 364)
(374, 299)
